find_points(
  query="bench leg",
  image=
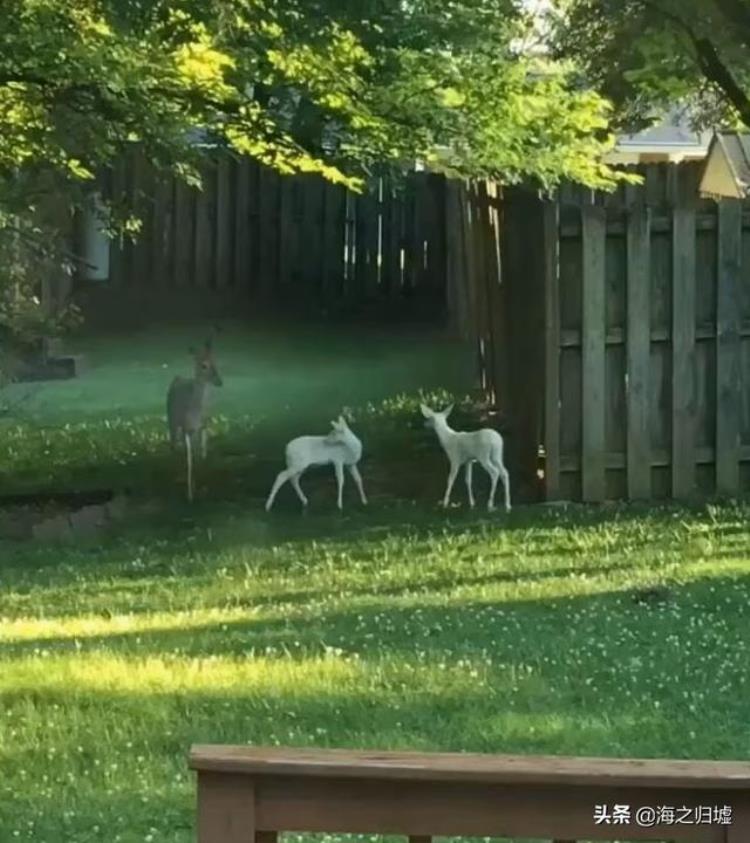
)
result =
(226, 809)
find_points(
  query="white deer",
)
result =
(339, 448)
(484, 446)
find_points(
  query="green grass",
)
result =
(396, 627)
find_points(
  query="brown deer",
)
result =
(186, 407)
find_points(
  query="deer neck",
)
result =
(200, 387)
(445, 433)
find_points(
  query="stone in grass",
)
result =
(52, 529)
(16, 526)
(116, 507)
(89, 519)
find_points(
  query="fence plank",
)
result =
(268, 183)
(253, 226)
(364, 272)
(457, 290)
(438, 242)
(728, 373)
(478, 227)
(468, 214)
(423, 205)
(409, 235)
(117, 273)
(593, 406)
(500, 307)
(638, 352)
(223, 224)
(161, 230)
(204, 232)
(130, 197)
(313, 236)
(683, 351)
(333, 240)
(286, 225)
(350, 224)
(143, 181)
(184, 197)
(552, 403)
(399, 241)
(242, 224)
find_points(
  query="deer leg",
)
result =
(500, 465)
(506, 485)
(297, 488)
(281, 478)
(339, 469)
(357, 477)
(494, 473)
(469, 490)
(189, 457)
(451, 480)
(204, 442)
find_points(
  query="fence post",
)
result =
(593, 348)
(457, 280)
(638, 346)
(552, 403)
(225, 209)
(728, 372)
(242, 224)
(683, 339)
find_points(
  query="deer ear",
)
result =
(426, 411)
(448, 410)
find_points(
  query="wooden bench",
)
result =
(249, 795)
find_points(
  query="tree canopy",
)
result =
(326, 86)
(647, 55)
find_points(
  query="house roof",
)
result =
(673, 135)
(666, 135)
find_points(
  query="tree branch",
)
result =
(717, 72)
(737, 14)
(709, 61)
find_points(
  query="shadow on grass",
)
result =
(185, 545)
(504, 631)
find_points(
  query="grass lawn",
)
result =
(396, 627)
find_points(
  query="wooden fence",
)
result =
(248, 795)
(612, 331)
(647, 304)
(299, 241)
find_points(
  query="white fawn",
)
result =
(339, 448)
(484, 446)
(187, 404)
